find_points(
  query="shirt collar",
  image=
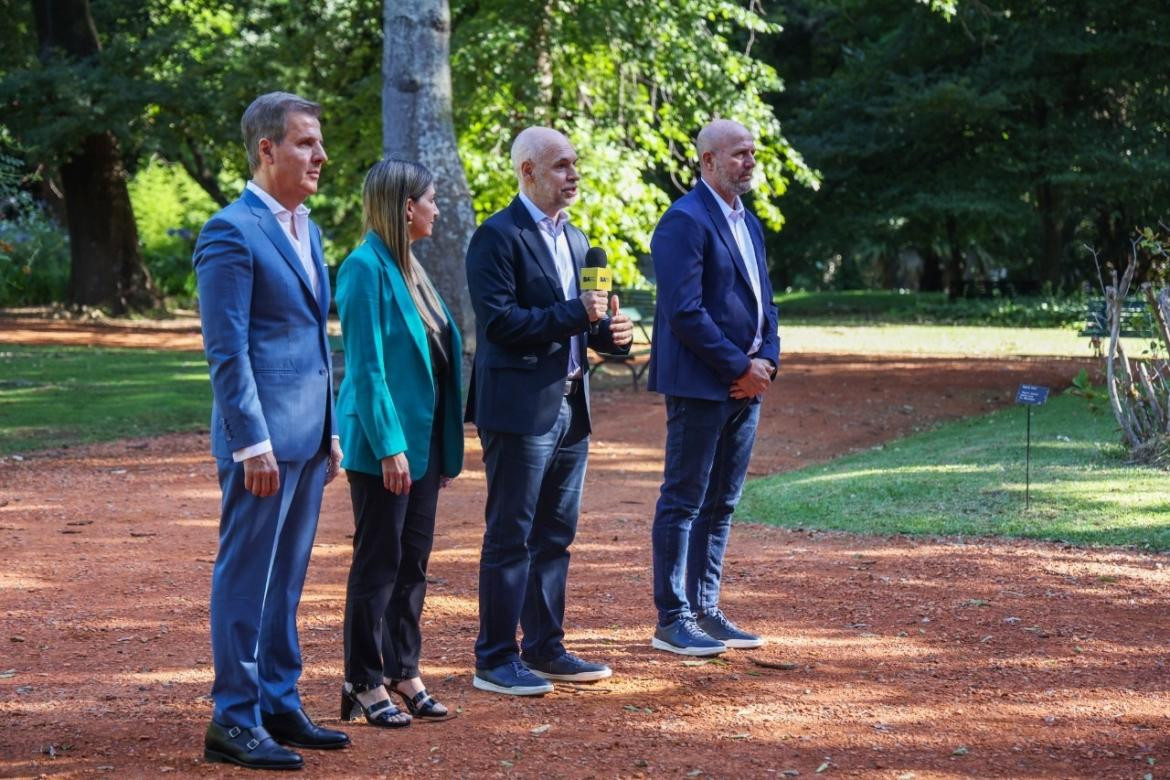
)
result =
(542, 219)
(731, 213)
(274, 205)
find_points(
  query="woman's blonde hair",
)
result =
(389, 184)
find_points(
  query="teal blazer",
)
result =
(386, 404)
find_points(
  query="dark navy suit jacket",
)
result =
(523, 325)
(705, 320)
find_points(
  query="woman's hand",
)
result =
(396, 474)
(445, 481)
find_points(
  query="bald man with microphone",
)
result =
(529, 397)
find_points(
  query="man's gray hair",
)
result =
(267, 117)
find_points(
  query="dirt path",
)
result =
(887, 658)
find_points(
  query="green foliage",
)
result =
(170, 209)
(902, 306)
(34, 251)
(34, 255)
(127, 393)
(967, 478)
(173, 79)
(630, 82)
(1007, 137)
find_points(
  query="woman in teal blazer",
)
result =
(401, 428)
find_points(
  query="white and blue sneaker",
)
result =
(684, 637)
(716, 625)
(569, 668)
(511, 679)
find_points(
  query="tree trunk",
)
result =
(542, 104)
(955, 267)
(417, 125)
(932, 274)
(1051, 233)
(106, 266)
(195, 163)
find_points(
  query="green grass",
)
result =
(917, 307)
(967, 478)
(56, 396)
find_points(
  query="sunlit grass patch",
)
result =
(57, 396)
(957, 340)
(968, 477)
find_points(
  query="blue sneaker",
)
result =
(717, 626)
(511, 679)
(684, 637)
(569, 668)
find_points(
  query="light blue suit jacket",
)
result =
(264, 335)
(386, 404)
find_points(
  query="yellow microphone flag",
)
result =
(596, 279)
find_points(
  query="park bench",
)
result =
(638, 305)
(1136, 321)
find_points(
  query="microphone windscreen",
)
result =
(595, 258)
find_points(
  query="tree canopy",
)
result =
(1012, 134)
(985, 138)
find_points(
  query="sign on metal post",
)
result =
(1029, 396)
(1033, 395)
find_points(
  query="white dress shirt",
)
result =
(557, 241)
(295, 225)
(737, 220)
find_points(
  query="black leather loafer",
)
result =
(296, 729)
(252, 748)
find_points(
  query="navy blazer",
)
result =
(264, 334)
(705, 320)
(523, 325)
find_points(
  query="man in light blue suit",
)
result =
(714, 354)
(264, 301)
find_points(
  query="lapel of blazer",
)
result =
(402, 298)
(578, 246)
(715, 214)
(318, 254)
(530, 235)
(275, 233)
(756, 231)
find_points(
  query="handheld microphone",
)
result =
(596, 276)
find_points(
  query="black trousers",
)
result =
(392, 542)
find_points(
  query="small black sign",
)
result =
(1031, 394)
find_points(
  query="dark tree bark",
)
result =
(195, 163)
(1051, 207)
(106, 266)
(932, 272)
(417, 125)
(955, 266)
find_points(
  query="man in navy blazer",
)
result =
(714, 353)
(529, 397)
(264, 302)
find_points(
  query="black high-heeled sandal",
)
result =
(422, 704)
(381, 714)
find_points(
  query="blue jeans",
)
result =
(533, 500)
(708, 446)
